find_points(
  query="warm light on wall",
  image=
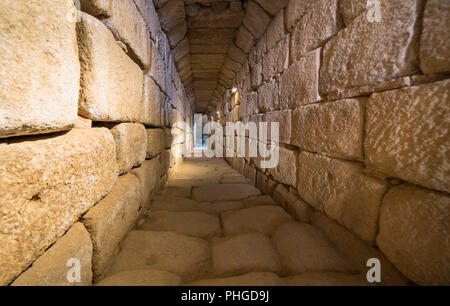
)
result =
(234, 90)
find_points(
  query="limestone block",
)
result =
(284, 120)
(158, 69)
(303, 248)
(272, 7)
(407, 134)
(177, 34)
(295, 10)
(131, 141)
(276, 60)
(435, 40)
(39, 68)
(51, 268)
(148, 174)
(156, 140)
(383, 51)
(244, 39)
(343, 191)
(285, 171)
(152, 103)
(256, 19)
(292, 203)
(320, 23)
(148, 11)
(414, 231)
(276, 30)
(268, 96)
(250, 252)
(83, 123)
(350, 9)
(334, 128)
(112, 83)
(128, 26)
(67, 174)
(299, 84)
(96, 7)
(356, 250)
(171, 14)
(110, 220)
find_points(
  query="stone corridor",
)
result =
(210, 227)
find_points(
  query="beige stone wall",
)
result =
(364, 130)
(98, 92)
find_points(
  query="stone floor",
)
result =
(211, 227)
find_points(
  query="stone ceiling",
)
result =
(210, 40)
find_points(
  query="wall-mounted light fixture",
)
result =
(233, 90)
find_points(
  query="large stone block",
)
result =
(407, 134)
(149, 176)
(435, 40)
(268, 96)
(275, 31)
(131, 141)
(299, 84)
(320, 22)
(383, 51)
(65, 174)
(128, 26)
(356, 250)
(276, 60)
(286, 170)
(350, 9)
(96, 7)
(334, 128)
(51, 268)
(256, 19)
(110, 220)
(156, 141)
(295, 10)
(152, 103)
(39, 68)
(272, 7)
(244, 39)
(112, 83)
(342, 191)
(414, 231)
(148, 11)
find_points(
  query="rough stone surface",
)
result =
(244, 39)
(131, 142)
(156, 141)
(249, 279)
(96, 7)
(356, 250)
(39, 70)
(435, 40)
(148, 175)
(384, 50)
(51, 268)
(286, 170)
(67, 174)
(335, 128)
(350, 9)
(411, 145)
(251, 252)
(320, 22)
(276, 60)
(109, 78)
(292, 203)
(256, 20)
(152, 103)
(196, 224)
(141, 278)
(295, 90)
(343, 191)
(110, 220)
(128, 26)
(272, 7)
(264, 219)
(414, 231)
(224, 192)
(185, 256)
(303, 248)
(295, 10)
(276, 30)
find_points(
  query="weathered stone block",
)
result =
(286, 170)
(342, 191)
(292, 203)
(320, 22)
(275, 31)
(272, 7)
(276, 60)
(435, 40)
(335, 128)
(51, 268)
(152, 103)
(256, 20)
(268, 96)
(350, 9)
(171, 14)
(148, 174)
(39, 68)
(384, 50)
(128, 26)
(283, 117)
(131, 141)
(407, 135)
(148, 11)
(244, 39)
(111, 82)
(67, 174)
(109, 220)
(156, 141)
(414, 231)
(295, 10)
(96, 7)
(299, 84)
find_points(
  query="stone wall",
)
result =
(364, 132)
(87, 100)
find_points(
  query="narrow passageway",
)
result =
(211, 227)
